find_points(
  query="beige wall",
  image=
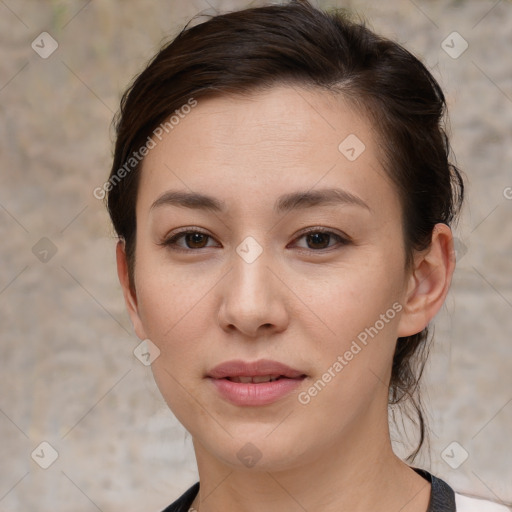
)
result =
(68, 373)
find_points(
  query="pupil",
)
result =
(318, 239)
(196, 239)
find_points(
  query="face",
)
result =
(266, 247)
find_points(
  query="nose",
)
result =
(253, 300)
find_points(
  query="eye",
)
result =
(316, 240)
(189, 240)
(319, 239)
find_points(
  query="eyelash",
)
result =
(171, 242)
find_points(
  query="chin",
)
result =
(257, 448)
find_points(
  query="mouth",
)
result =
(256, 379)
(263, 370)
(254, 383)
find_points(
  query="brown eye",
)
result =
(196, 240)
(190, 240)
(318, 240)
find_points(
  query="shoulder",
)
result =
(444, 498)
(470, 504)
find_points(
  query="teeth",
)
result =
(255, 380)
(262, 378)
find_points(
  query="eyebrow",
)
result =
(285, 203)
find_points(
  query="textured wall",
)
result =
(69, 376)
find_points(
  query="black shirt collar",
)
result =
(442, 496)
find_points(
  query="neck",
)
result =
(360, 472)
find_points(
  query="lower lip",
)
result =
(264, 393)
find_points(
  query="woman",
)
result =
(283, 198)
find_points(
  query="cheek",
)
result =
(353, 364)
(175, 320)
(173, 312)
(361, 306)
(353, 297)
(167, 301)
(168, 295)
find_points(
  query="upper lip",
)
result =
(239, 368)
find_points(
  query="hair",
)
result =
(299, 45)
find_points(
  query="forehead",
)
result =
(265, 144)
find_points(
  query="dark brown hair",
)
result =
(297, 44)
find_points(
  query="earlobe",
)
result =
(129, 294)
(429, 282)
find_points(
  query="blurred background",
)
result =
(69, 376)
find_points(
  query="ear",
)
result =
(429, 282)
(130, 296)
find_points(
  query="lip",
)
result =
(239, 368)
(254, 394)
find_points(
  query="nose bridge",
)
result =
(250, 272)
(250, 285)
(251, 296)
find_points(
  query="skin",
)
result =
(297, 303)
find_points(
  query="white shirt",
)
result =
(470, 504)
